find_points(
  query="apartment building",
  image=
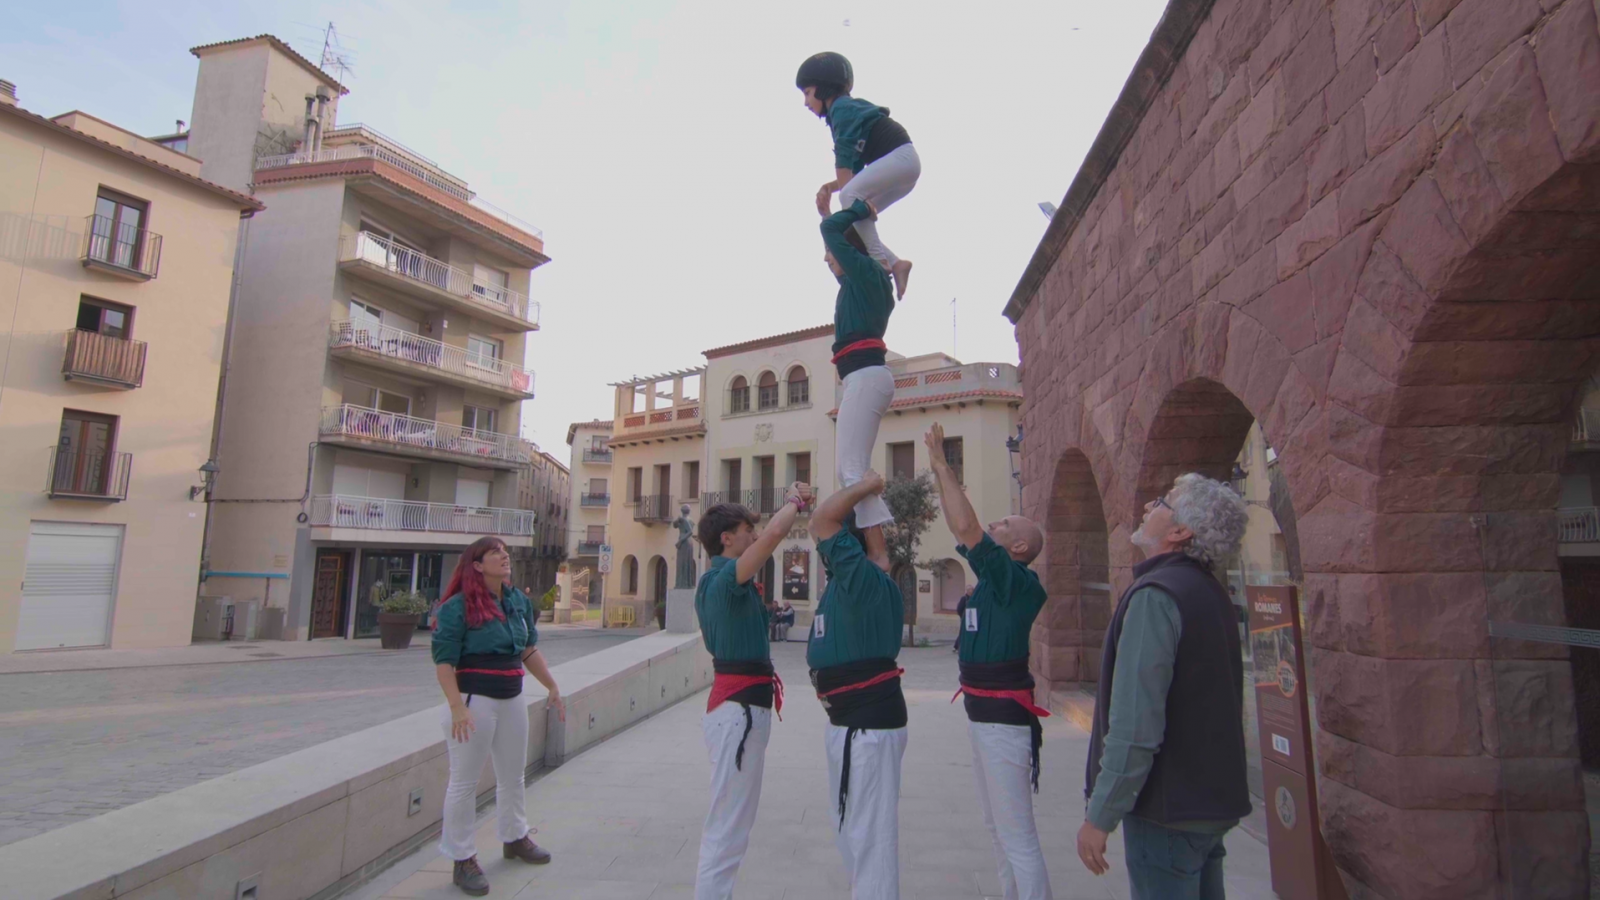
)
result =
(977, 403)
(544, 487)
(658, 446)
(590, 501)
(116, 260)
(373, 395)
(768, 427)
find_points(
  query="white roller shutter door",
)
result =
(69, 585)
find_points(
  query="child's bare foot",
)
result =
(901, 272)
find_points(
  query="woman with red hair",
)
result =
(483, 639)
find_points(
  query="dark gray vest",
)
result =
(1199, 772)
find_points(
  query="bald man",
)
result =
(1002, 719)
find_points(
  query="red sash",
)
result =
(876, 679)
(724, 686)
(867, 344)
(509, 673)
(1024, 698)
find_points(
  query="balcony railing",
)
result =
(594, 500)
(85, 475)
(591, 455)
(403, 345)
(799, 393)
(384, 253)
(589, 548)
(92, 356)
(340, 511)
(121, 248)
(410, 166)
(762, 501)
(1578, 525)
(654, 508)
(422, 434)
(954, 380)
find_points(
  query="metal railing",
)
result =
(1578, 525)
(738, 400)
(654, 508)
(413, 348)
(121, 246)
(97, 357)
(416, 169)
(799, 393)
(591, 455)
(762, 501)
(88, 475)
(589, 548)
(411, 264)
(1581, 428)
(341, 511)
(594, 500)
(422, 434)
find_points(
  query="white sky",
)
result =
(663, 148)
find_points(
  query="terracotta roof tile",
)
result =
(776, 340)
(289, 51)
(980, 393)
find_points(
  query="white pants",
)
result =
(882, 183)
(1002, 763)
(869, 840)
(735, 792)
(502, 735)
(867, 395)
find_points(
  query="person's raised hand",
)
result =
(871, 208)
(1092, 849)
(873, 481)
(935, 441)
(825, 200)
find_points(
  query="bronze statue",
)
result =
(685, 526)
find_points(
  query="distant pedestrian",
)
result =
(1167, 753)
(484, 639)
(1002, 717)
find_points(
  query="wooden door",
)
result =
(327, 595)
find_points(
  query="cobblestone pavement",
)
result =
(77, 744)
(623, 818)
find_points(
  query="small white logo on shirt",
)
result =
(1280, 744)
(817, 629)
(972, 619)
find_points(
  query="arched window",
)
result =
(739, 396)
(630, 576)
(799, 386)
(768, 395)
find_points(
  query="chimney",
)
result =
(305, 143)
(182, 126)
(8, 93)
(322, 105)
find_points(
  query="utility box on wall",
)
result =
(211, 616)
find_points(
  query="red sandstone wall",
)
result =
(1373, 225)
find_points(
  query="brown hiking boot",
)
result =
(468, 876)
(526, 850)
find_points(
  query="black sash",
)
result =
(754, 695)
(1010, 675)
(477, 674)
(881, 706)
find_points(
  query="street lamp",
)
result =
(208, 474)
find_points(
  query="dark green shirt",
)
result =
(861, 614)
(866, 296)
(1000, 613)
(452, 639)
(733, 620)
(852, 120)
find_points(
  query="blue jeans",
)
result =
(1168, 864)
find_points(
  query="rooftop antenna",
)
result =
(333, 54)
(953, 346)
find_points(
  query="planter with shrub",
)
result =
(399, 615)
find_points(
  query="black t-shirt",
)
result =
(885, 136)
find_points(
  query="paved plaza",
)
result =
(131, 725)
(623, 818)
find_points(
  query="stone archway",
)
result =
(1076, 561)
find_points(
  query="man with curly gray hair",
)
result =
(1166, 755)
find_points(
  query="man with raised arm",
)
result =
(1002, 718)
(855, 639)
(746, 690)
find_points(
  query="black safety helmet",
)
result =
(829, 73)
